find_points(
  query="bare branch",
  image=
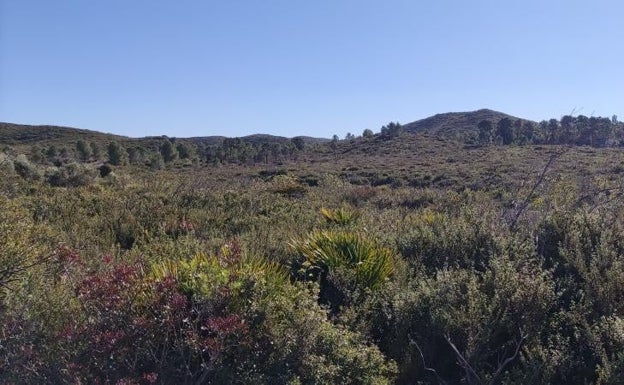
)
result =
(521, 208)
(510, 359)
(422, 357)
(471, 375)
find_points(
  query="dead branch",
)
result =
(471, 375)
(422, 357)
(521, 208)
(510, 359)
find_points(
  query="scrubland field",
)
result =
(414, 259)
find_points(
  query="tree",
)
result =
(168, 151)
(568, 134)
(528, 131)
(276, 150)
(246, 152)
(96, 152)
(391, 130)
(115, 153)
(84, 151)
(367, 133)
(504, 129)
(136, 155)
(485, 132)
(334, 145)
(51, 153)
(299, 143)
(156, 161)
(601, 131)
(231, 147)
(37, 154)
(553, 130)
(184, 150)
(65, 154)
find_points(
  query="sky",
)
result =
(298, 67)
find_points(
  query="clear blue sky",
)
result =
(300, 67)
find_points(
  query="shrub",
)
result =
(105, 170)
(25, 169)
(287, 186)
(71, 175)
(21, 244)
(288, 325)
(347, 264)
(459, 314)
(340, 217)
(438, 240)
(6, 164)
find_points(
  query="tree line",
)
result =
(163, 151)
(572, 130)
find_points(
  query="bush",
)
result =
(105, 170)
(438, 240)
(6, 164)
(71, 175)
(347, 264)
(25, 169)
(340, 217)
(210, 319)
(485, 316)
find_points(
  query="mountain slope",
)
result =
(11, 133)
(452, 123)
(23, 134)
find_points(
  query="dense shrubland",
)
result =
(480, 270)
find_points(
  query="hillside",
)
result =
(11, 134)
(22, 134)
(445, 123)
(449, 124)
(452, 123)
(58, 145)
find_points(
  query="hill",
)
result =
(23, 134)
(449, 124)
(452, 123)
(12, 134)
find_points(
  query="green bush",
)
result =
(439, 240)
(25, 169)
(6, 164)
(342, 216)
(70, 175)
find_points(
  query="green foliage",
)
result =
(168, 151)
(25, 169)
(438, 240)
(123, 279)
(115, 154)
(504, 131)
(84, 150)
(391, 130)
(71, 175)
(203, 275)
(336, 250)
(342, 216)
(288, 324)
(22, 244)
(6, 164)
(156, 162)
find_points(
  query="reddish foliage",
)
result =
(141, 330)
